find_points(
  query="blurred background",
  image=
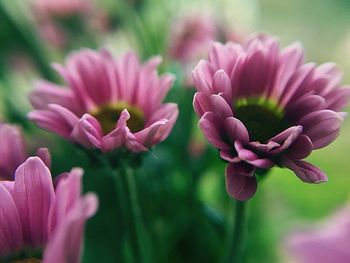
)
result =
(186, 209)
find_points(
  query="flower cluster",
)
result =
(261, 106)
(34, 215)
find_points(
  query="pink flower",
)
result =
(12, 151)
(34, 216)
(48, 9)
(191, 37)
(326, 243)
(262, 107)
(109, 103)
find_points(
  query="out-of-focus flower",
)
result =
(49, 9)
(59, 21)
(38, 222)
(263, 107)
(190, 38)
(326, 243)
(13, 152)
(109, 104)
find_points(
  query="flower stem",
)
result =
(236, 253)
(126, 186)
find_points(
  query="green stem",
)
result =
(237, 244)
(127, 191)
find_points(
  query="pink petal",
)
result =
(221, 82)
(33, 195)
(66, 242)
(12, 150)
(201, 103)
(322, 127)
(45, 156)
(87, 132)
(212, 127)
(236, 130)
(49, 93)
(67, 192)
(305, 171)
(10, 224)
(301, 148)
(240, 182)
(117, 137)
(220, 106)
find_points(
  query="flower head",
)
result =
(48, 9)
(262, 106)
(328, 242)
(13, 152)
(191, 37)
(108, 104)
(40, 222)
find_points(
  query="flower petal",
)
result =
(10, 224)
(212, 127)
(12, 150)
(33, 195)
(236, 130)
(305, 171)
(66, 242)
(87, 132)
(240, 182)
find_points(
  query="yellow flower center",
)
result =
(108, 115)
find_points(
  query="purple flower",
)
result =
(109, 103)
(35, 217)
(262, 106)
(13, 152)
(326, 243)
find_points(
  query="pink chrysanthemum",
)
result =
(38, 222)
(109, 103)
(13, 152)
(49, 9)
(326, 243)
(263, 107)
(190, 38)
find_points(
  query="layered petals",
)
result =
(262, 106)
(109, 103)
(35, 216)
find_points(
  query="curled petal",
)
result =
(305, 171)
(211, 126)
(201, 103)
(322, 127)
(301, 148)
(236, 130)
(220, 106)
(240, 182)
(87, 132)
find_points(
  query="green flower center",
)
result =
(262, 118)
(108, 115)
